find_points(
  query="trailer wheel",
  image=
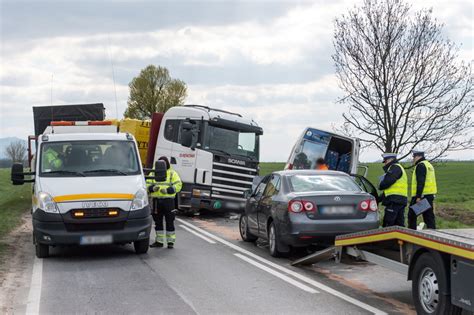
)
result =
(41, 250)
(141, 247)
(244, 229)
(429, 283)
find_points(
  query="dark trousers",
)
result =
(163, 207)
(428, 215)
(394, 214)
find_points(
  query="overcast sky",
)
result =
(268, 60)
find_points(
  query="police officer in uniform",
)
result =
(163, 195)
(394, 185)
(423, 185)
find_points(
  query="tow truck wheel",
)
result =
(141, 247)
(244, 229)
(42, 250)
(429, 283)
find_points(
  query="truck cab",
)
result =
(88, 188)
(215, 152)
(340, 153)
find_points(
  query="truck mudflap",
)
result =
(462, 280)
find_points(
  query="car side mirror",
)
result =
(17, 176)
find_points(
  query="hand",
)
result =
(418, 200)
(163, 191)
(156, 188)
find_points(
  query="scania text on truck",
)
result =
(88, 188)
(215, 152)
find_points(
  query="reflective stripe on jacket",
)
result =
(172, 180)
(400, 187)
(430, 187)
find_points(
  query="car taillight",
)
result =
(298, 206)
(368, 205)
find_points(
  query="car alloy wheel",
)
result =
(272, 239)
(428, 290)
(243, 227)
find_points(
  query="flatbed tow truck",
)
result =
(440, 263)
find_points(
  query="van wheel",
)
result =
(276, 247)
(429, 283)
(42, 250)
(244, 229)
(141, 247)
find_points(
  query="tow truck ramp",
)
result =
(440, 262)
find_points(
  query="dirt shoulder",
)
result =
(15, 267)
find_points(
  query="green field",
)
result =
(14, 202)
(455, 200)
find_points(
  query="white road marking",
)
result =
(277, 274)
(197, 234)
(314, 283)
(34, 296)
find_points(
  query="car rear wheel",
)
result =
(244, 229)
(141, 247)
(428, 287)
(277, 249)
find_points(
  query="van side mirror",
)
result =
(17, 176)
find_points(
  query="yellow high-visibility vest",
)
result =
(400, 187)
(172, 180)
(430, 187)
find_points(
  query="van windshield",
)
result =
(89, 158)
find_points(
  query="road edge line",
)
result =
(197, 234)
(34, 294)
(315, 283)
(277, 274)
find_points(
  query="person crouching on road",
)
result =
(423, 185)
(163, 195)
(394, 185)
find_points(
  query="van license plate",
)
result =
(96, 239)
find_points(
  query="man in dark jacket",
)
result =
(423, 185)
(394, 184)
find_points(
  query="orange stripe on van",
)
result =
(80, 197)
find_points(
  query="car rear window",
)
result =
(306, 183)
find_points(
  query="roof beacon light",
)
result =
(81, 123)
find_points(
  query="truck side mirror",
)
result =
(17, 175)
(160, 171)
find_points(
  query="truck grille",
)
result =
(230, 181)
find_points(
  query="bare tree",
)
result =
(403, 81)
(16, 151)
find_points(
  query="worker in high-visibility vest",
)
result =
(52, 158)
(394, 184)
(163, 196)
(423, 185)
(321, 165)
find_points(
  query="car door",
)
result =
(264, 208)
(366, 185)
(252, 205)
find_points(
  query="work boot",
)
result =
(170, 238)
(156, 244)
(170, 245)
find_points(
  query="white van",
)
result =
(341, 153)
(88, 188)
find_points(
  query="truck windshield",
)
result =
(89, 158)
(233, 142)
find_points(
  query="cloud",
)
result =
(269, 61)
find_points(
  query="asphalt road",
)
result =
(209, 272)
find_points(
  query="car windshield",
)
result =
(89, 158)
(308, 183)
(233, 142)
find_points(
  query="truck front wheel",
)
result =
(430, 285)
(42, 250)
(141, 247)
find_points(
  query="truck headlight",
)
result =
(201, 193)
(140, 200)
(46, 203)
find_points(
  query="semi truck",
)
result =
(88, 187)
(215, 152)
